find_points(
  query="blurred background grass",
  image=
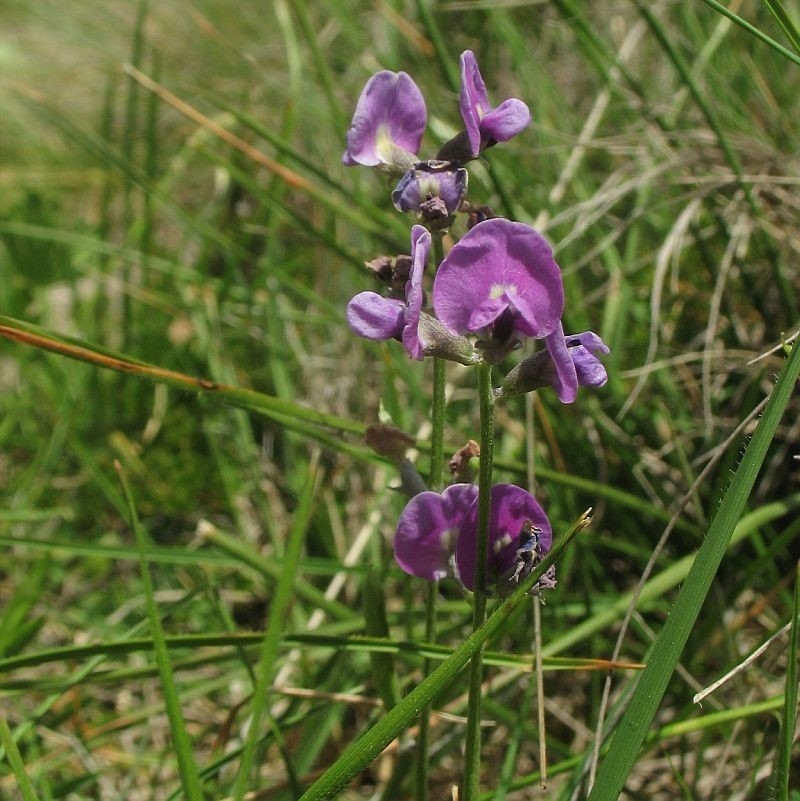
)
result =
(663, 166)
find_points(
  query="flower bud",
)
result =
(535, 372)
(432, 189)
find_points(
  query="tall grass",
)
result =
(178, 241)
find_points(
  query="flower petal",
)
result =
(511, 117)
(566, 364)
(374, 317)
(430, 180)
(474, 100)
(564, 377)
(511, 506)
(427, 528)
(499, 265)
(420, 246)
(388, 123)
(486, 125)
(584, 349)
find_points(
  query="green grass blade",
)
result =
(666, 651)
(71, 347)
(785, 21)
(783, 762)
(180, 737)
(279, 609)
(14, 759)
(731, 155)
(447, 63)
(669, 578)
(750, 28)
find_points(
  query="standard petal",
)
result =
(511, 507)
(390, 117)
(374, 317)
(407, 114)
(474, 100)
(427, 528)
(420, 246)
(499, 262)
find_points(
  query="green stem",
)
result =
(434, 483)
(423, 734)
(486, 408)
(437, 426)
(438, 398)
(472, 754)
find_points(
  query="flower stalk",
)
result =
(435, 483)
(498, 287)
(472, 754)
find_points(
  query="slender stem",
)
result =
(472, 762)
(530, 449)
(434, 483)
(486, 408)
(537, 657)
(437, 426)
(423, 733)
(438, 397)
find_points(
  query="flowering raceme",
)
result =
(437, 536)
(497, 286)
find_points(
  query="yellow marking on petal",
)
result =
(498, 290)
(383, 143)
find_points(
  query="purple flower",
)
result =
(437, 536)
(374, 317)
(576, 362)
(434, 190)
(388, 123)
(515, 518)
(568, 362)
(427, 530)
(585, 349)
(501, 282)
(487, 125)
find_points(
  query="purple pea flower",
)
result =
(501, 282)
(388, 124)
(374, 317)
(584, 349)
(581, 367)
(434, 190)
(437, 536)
(485, 124)
(427, 530)
(515, 514)
(568, 362)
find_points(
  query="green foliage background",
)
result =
(662, 164)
